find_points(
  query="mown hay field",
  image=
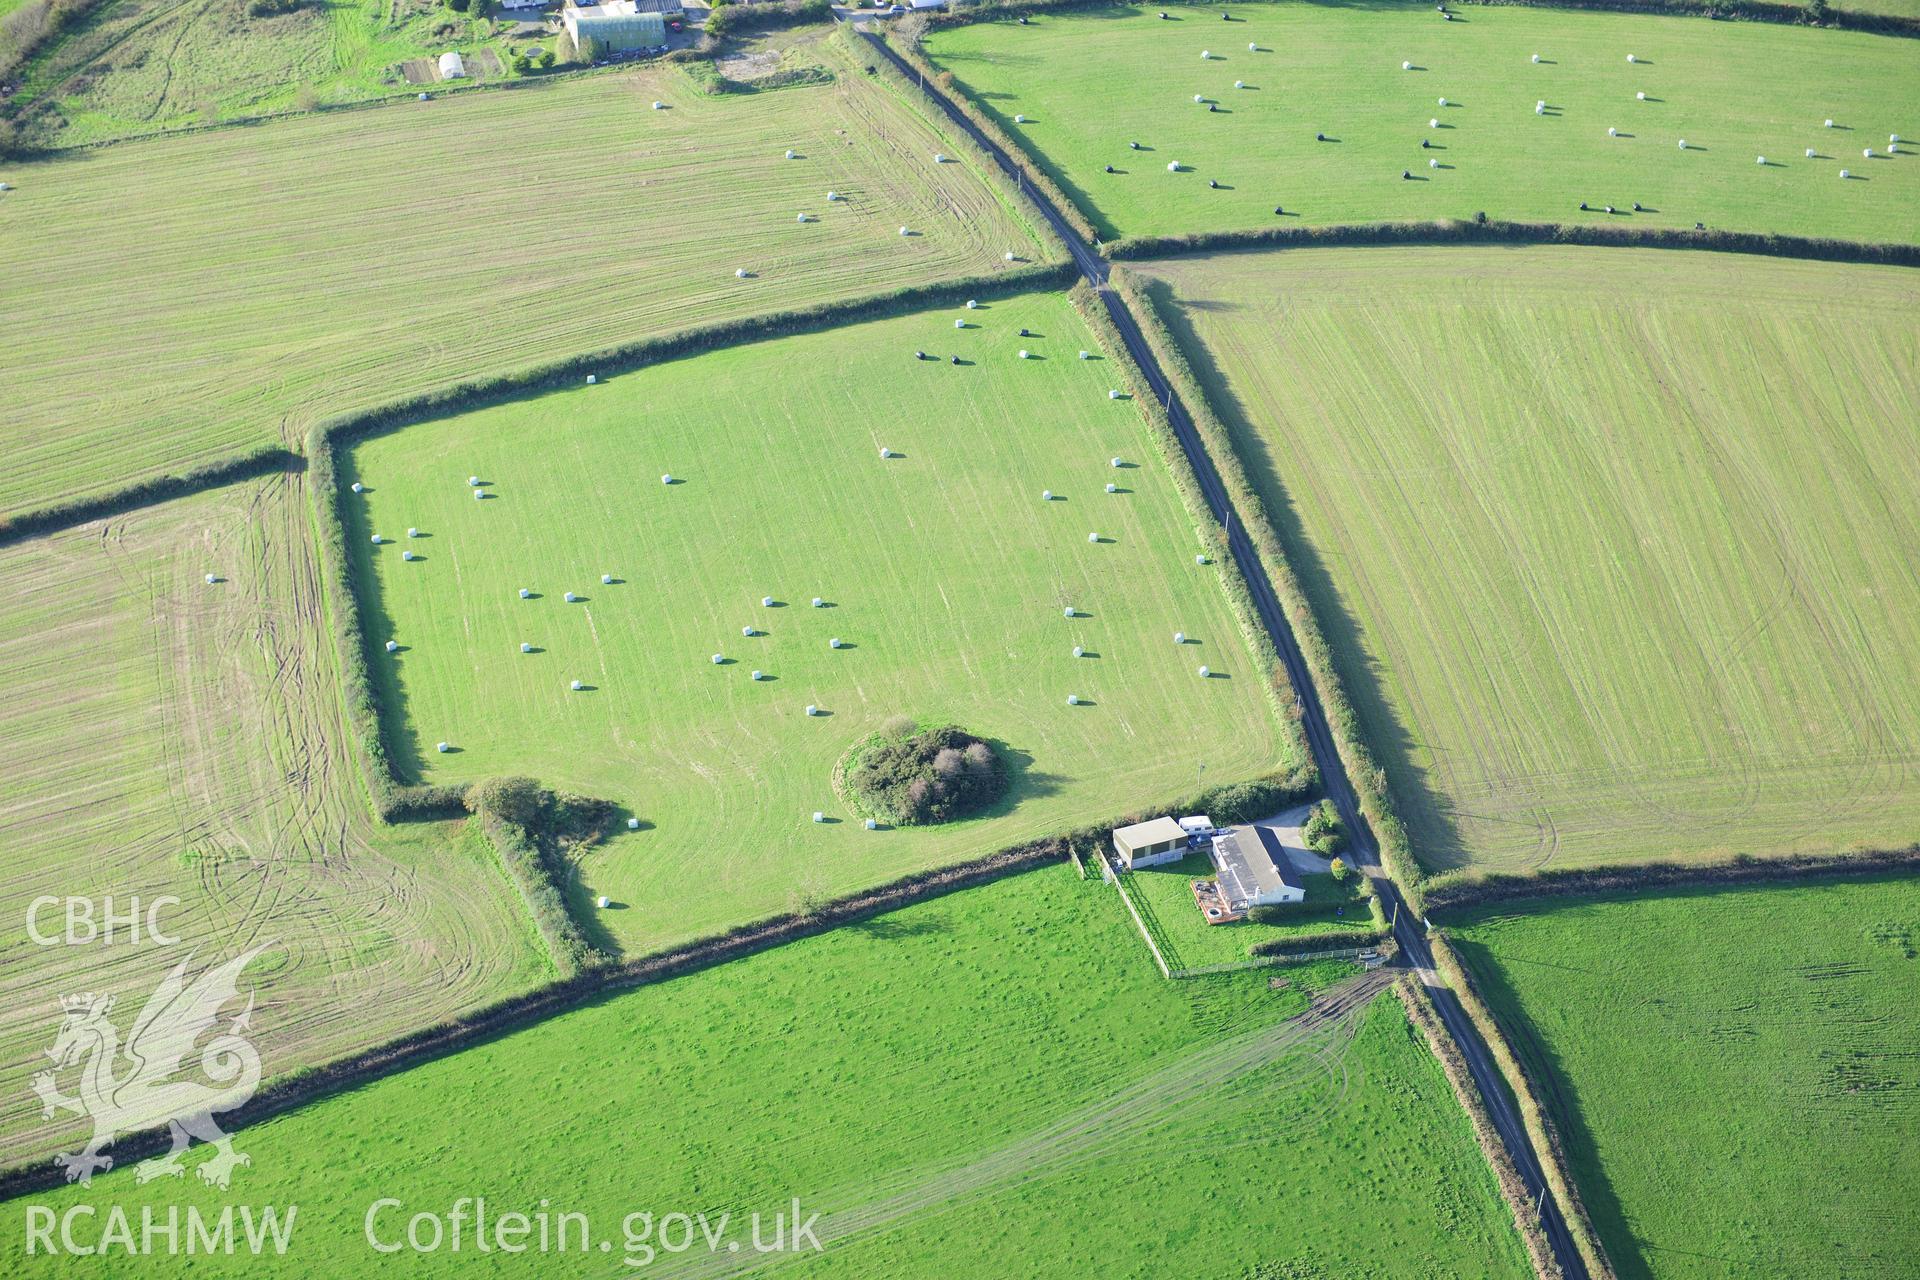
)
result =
(160, 736)
(1733, 1072)
(1614, 548)
(205, 295)
(990, 1083)
(942, 571)
(1734, 91)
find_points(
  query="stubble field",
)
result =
(1614, 547)
(160, 736)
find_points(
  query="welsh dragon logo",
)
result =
(125, 1089)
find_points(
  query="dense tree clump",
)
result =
(1323, 831)
(917, 776)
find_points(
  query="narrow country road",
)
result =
(1409, 932)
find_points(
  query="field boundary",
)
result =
(1333, 939)
(1369, 780)
(1140, 923)
(266, 461)
(1540, 1127)
(526, 866)
(1767, 11)
(1526, 1218)
(1025, 168)
(1484, 230)
(1457, 890)
(1010, 184)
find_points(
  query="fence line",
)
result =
(1119, 883)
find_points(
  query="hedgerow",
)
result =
(1513, 1189)
(936, 82)
(1542, 1133)
(733, 18)
(525, 823)
(1484, 230)
(1817, 13)
(147, 493)
(1455, 890)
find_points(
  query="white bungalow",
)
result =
(1253, 869)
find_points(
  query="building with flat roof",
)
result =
(618, 26)
(1148, 844)
(1253, 870)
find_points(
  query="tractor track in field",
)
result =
(1408, 931)
(1281, 1059)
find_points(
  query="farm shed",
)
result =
(452, 66)
(1250, 873)
(619, 26)
(1147, 844)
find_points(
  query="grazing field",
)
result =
(141, 67)
(1733, 1072)
(943, 572)
(1614, 548)
(1163, 896)
(161, 736)
(979, 1085)
(218, 292)
(1733, 91)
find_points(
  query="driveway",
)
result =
(1286, 828)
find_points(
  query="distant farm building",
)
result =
(618, 26)
(1148, 844)
(452, 66)
(1253, 869)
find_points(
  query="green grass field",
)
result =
(140, 68)
(1614, 548)
(160, 736)
(219, 292)
(1733, 1072)
(968, 1086)
(1164, 897)
(945, 572)
(1733, 91)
